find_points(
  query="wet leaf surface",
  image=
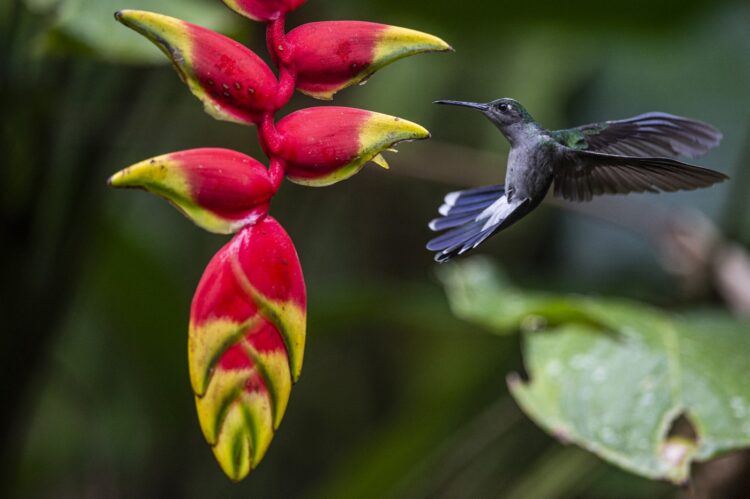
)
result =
(644, 390)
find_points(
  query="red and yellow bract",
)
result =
(324, 145)
(220, 190)
(332, 55)
(248, 317)
(246, 343)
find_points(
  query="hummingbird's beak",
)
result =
(473, 105)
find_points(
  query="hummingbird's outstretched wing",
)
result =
(580, 175)
(470, 217)
(645, 135)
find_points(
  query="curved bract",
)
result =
(246, 343)
(218, 189)
(329, 56)
(233, 83)
(324, 145)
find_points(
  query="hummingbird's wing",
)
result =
(580, 175)
(645, 135)
(469, 217)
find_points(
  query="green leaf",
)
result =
(614, 376)
(88, 25)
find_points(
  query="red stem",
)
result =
(287, 84)
(281, 52)
(277, 171)
(270, 139)
(277, 42)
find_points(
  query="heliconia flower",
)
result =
(263, 10)
(324, 145)
(218, 189)
(331, 55)
(248, 316)
(246, 343)
(233, 83)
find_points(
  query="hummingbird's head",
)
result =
(505, 113)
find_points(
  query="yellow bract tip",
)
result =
(150, 24)
(396, 43)
(157, 174)
(380, 161)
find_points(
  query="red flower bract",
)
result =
(219, 189)
(331, 55)
(233, 83)
(323, 145)
(248, 316)
(247, 333)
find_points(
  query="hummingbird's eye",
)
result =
(504, 107)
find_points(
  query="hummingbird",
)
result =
(610, 157)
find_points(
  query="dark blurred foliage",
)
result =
(397, 398)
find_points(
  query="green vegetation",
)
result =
(399, 397)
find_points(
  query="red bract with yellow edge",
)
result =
(220, 190)
(332, 55)
(246, 343)
(233, 83)
(248, 317)
(324, 145)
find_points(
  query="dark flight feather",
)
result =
(580, 175)
(645, 135)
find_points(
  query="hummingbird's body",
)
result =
(614, 157)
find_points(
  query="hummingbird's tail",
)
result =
(470, 217)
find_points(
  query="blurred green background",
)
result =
(397, 397)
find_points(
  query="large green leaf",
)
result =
(89, 25)
(615, 376)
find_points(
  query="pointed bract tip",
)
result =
(127, 178)
(124, 16)
(117, 180)
(399, 42)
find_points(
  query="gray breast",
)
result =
(529, 173)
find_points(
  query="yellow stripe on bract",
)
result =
(381, 132)
(171, 35)
(224, 388)
(396, 43)
(206, 345)
(160, 175)
(235, 6)
(274, 368)
(234, 446)
(289, 319)
(259, 418)
(164, 177)
(245, 435)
